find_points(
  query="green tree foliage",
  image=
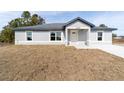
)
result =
(16, 23)
(114, 35)
(102, 25)
(26, 14)
(26, 19)
(41, 20)
(7, 35)
(35, 19)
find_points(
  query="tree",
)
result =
(16, 23)
(7, 34)
(114, 35)
(35, 15)
(35, 19)
(41, 20)
(26, 14)
(102, 25)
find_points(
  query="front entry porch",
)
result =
(77, 37)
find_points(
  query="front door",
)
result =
(74, 35)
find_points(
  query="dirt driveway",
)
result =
(58, 63)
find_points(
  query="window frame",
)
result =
(51, 36)
(100, 36)
(27, 35)
(55, 36)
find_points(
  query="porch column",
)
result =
(66, 35)
(88, 37)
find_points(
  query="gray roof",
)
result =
(43, 27)
(103, 28)
(60, 26)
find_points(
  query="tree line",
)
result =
(26, 19)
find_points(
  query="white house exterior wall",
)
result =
(78, 25)
(38, 37)
(82, 35)
(107, 38)
(19, 36)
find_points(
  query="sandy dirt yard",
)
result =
(58, 63)
(118, 41)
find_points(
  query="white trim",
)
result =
(77, 34)
(66, 36)
(88, 36)
(49, 36)
(77, 27)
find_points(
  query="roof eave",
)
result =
(105, 29)
(38, 29)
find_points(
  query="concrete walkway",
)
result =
(112, 49)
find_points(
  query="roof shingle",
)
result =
(103, 28)
(43, 27)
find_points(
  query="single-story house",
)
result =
(75, 32)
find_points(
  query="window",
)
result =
(55, 36)
(29, 36)
(100, 34)
(52, 36)
(58, 36)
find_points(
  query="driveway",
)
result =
(113, 49)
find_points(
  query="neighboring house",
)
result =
(75, 32)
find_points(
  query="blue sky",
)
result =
(111, 19)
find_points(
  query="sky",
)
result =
(111, 19)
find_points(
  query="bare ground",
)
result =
(118, 41)
(58, 63)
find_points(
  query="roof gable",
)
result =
(79, 19)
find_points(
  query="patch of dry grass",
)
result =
(118, 41)
(58, 63)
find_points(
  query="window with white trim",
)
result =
(29, 35)
(100, 36)
(55, 36)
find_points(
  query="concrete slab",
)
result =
(112, 49)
